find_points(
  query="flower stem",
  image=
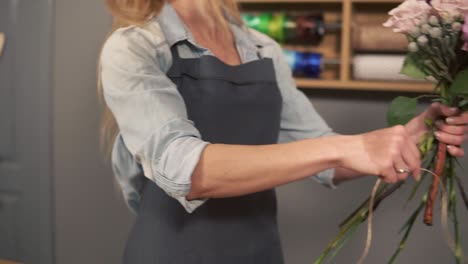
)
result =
(363, 205)
(453, 211)
(439, 169)
(408, 227)
(337, 242)
(462, 191)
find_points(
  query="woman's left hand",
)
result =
(451, 127)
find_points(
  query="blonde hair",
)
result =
(139, 12)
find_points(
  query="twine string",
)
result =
(444, 218)
(369, 222)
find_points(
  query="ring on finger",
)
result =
(402, 170)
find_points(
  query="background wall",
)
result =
(92, 222)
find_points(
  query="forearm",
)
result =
(232, 170)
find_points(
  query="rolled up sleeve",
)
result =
(299, 119)
(151, 113)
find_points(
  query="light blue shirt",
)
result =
(154, 129)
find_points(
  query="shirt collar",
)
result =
(175, 29)
(172, 26)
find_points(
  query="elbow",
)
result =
(197, 191)
(201, 187)
(195, 194)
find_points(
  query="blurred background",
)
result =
(58, 201)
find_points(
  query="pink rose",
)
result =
(463, 7)
(452, 8)
(408, 15)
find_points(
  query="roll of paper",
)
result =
(379, 67)
(377, 38)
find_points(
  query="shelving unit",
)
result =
(345, 11)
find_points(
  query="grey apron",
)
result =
(230, 105)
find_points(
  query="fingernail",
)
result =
(453, 109)
(449, 120)
(439, 122)
(437, 134)
(449, 146)
(418, 177)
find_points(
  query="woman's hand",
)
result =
(452, 126)
(382, 152)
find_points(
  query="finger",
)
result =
(458, 120)
(388, 173)
(437, 110)
(451, 129)
(413, 159)
(401, 164)
(416, 171)
(413, 148)
(450, 139)
(390, 176)
(448, 111)
(455, 151)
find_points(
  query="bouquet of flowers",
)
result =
(437, 32)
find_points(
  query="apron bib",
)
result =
(229, 105)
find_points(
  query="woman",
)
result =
(201, 103)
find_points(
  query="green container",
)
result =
(276, 27)
(260, 22)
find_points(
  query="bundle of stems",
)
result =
(436, 156)
(435, 52)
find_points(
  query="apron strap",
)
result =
(260, 53)
(175, 52)
(175, 69)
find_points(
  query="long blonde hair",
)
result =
(139, 12)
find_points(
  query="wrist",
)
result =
(323, 153)
(344, 147)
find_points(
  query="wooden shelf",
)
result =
(419, 87)
(7, 262)
(318, 1)
(345, 11)
(287, 1)
(377, 1)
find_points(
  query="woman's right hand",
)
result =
(382, 153)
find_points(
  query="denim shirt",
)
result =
(157, 141)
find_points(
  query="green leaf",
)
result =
(402, 109)
(463, 103)
(460, 84)
(411, 68)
